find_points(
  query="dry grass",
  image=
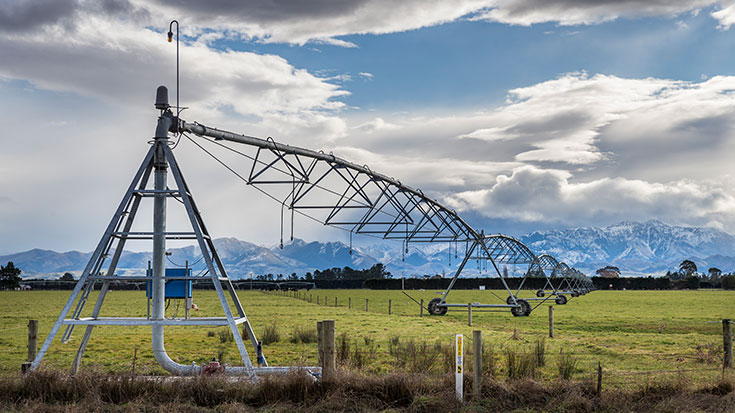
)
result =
(350, 391)
(413, 356)
(710, 353)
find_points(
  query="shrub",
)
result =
(728, 282)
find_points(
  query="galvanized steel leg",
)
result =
(195, 220)
(96, 255)
(111, 270)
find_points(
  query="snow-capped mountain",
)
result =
(637, 247)
(650, 247)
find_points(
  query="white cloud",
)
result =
(726, 15)
(533, 194)
(576, 12)
(320, 21)
(563, 119)
(655, 144)
(376, 124)
(86, 60)
(325, 21)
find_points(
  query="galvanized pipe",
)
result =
(158, 284)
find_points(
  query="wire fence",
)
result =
(710, 354)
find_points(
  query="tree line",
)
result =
(377, 271)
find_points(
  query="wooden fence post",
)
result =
(469, 314)
(477, 366)
(390, 304)
(599, 379)
(421, 311)
(727, 342)
(320, 343)
(366, 304)
(330, 362)
(32, 345)
(349, 302)
(335, 301)
(551, 321)
(32, 339)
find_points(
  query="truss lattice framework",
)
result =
(354, 198)
(504, 249)
(110, 249)
(342, 194)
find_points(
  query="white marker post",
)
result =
(460, 367)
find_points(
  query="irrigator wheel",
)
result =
(561, 299)
(434, 308)
(509, 300)
(522, 311)
(540, 293)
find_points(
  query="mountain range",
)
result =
(637, 248)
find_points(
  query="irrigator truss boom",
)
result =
(362, 201)
(366, 202)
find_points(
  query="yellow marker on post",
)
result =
(459, 345)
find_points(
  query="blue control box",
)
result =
(174, 288)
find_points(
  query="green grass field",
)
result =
(624, 330)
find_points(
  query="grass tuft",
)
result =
(271, 334)
(540, 350)
(225, 336)
(567, 365)
(520, 365)
(304, 335)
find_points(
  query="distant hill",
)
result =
(637, 248)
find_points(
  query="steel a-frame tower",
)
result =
(158, 161)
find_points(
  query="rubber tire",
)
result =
(434, 309)
(561, 300)
(523, 311)
(540, 293)
(509, 300)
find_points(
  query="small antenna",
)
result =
(170, 38)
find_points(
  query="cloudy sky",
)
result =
(520, 114)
